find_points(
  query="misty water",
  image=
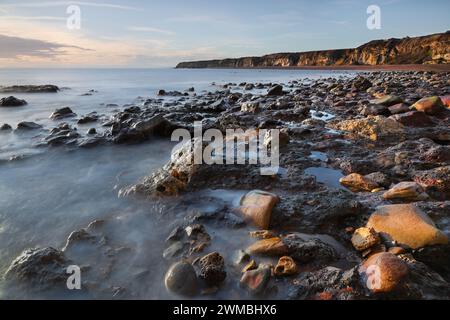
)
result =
(46, 193)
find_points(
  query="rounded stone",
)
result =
(181, 279)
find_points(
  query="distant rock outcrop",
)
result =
(431, 49)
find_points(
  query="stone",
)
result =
(364, 238)
(250, 107)
(161, 92)
(429, 105)
(5, 127)
(399, 108)
(61, 113)
(446, 100)
(212, 269)
(383, 272)
(413, 119)
(256, 206)
(262, 234)
(39, 268)
(12, 102)
(286, 266)
(181, 279)
(308, 250)
(408, 191)
(375, 110)
(92, 131)
(361, 84)
(379, 178)
(387, 100)
(357, 182)
(255, 281)
(276, 90)
(283, 138)
(373, 127)
(397, 250)
(252, 265)
(435, 180)
(272, 247)
(25, 125)
(407, 225)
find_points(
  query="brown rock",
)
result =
(429, 105)
(397, 250)
(256, 206)
(413, 119)
(399, 108)
(446, 100)
(286, 266)
(252, 265)
(262, 234)
(409, 191)
(387, 100)
(357, 182)
(383, 272)
(255, 281)
(407, 225)
(364, 238)
(272, 246)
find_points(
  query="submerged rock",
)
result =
(25, 125)
(61, 113)
(12, 102)
(181, 279)
(5, 127)
(407, 225)
(256, 206)
(255, 281)
(30, 89)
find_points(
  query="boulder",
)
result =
(375, 110)
(181, 279)
(276, 90)
(429, 105)
(372, 127)
(61, 113)
(48, 88)
(407, 225)
(286, 266)
(413, 119)
(271, 247)
(365, 238)
(256, 206)
(408, 191)
(383, 272)
(212, 269)
(399, 108)
(5, 127)
(357, 182)
(387, 100)
(12, 102)
(255, 281)
(25, 125)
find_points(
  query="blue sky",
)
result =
(157, 33)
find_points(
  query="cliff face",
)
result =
(431, 49)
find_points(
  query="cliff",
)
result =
(431, 49)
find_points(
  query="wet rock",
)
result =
(92, 131)
(407, 225)
(65, 112)
(286, 266)
(387, 101)
(271, 247)
(181, 279)
(446, 100)
(399, 108)
(255, 281)
(212, 269)
(436, 181)
(357, 182)
(276, 90)
(262, 234)
(364, 238)
(76, 237)
(250, 107)
(242, 257)
(283, 138)
(361, 84)
(30, 89)
(161, 92)
(372, 127)
(12, 102)
(436, 257)
(252, 265)
(256, 206)
(379, 178)
(375, 110)
(25, 125)
(174, 250)
(383, 272)
(413, 119)
(429, 105)
(5, 127)
(39, 268)
(407, 191)
(88, 119)
(311, 250)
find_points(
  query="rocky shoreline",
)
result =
(360, 208)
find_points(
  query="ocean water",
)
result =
(51, 192)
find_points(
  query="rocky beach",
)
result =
(359, 207)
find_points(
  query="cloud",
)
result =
(16, 47)
(151, 29)
(67, 3)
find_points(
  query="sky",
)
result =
(154, 33)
